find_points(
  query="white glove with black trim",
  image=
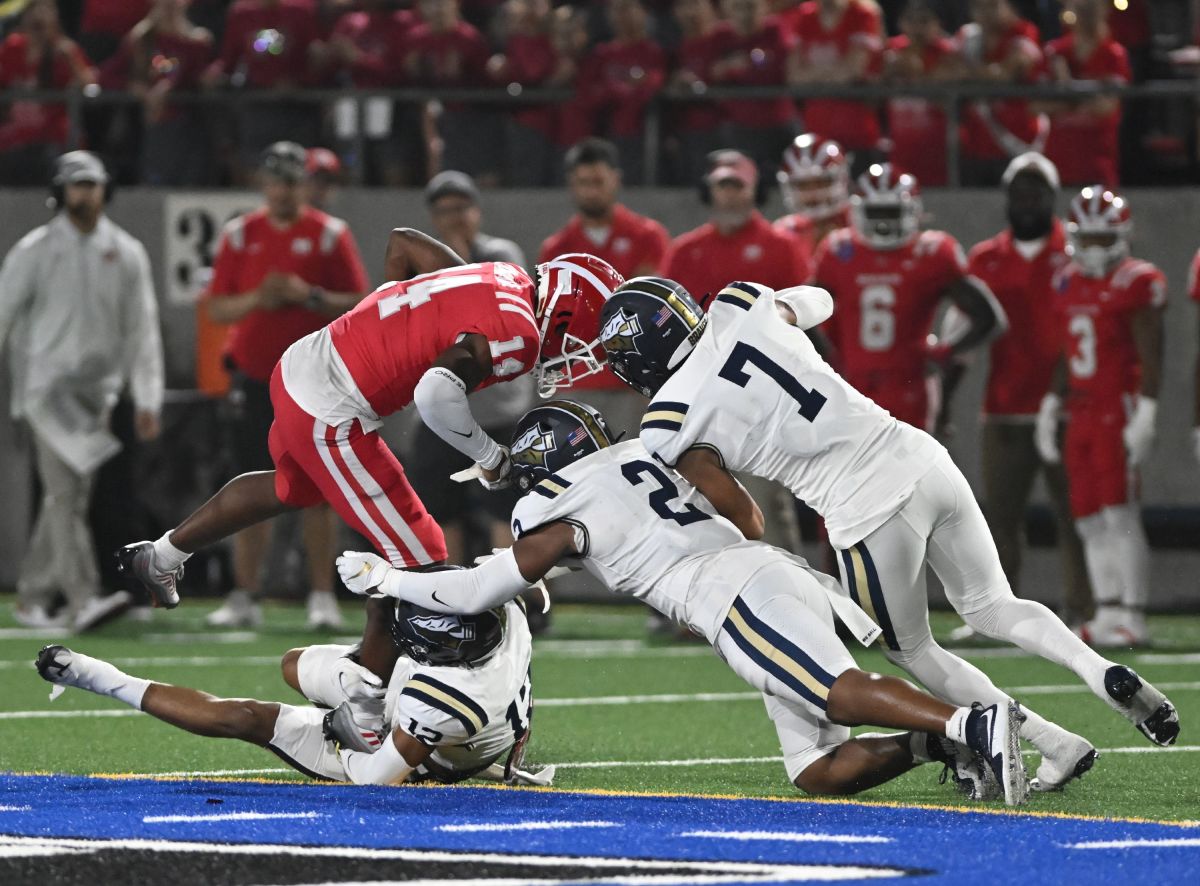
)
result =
(362, 572)
(505, 479)
(1045, 431)
(1139, 430)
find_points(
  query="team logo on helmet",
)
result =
(620, 332)
(533, 446)
(436, 628)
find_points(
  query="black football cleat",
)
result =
(137, 560)
(1143, 705)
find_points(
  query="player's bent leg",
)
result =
(298, 738)
(857, 765)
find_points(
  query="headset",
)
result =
(56, 200)
(762, 190)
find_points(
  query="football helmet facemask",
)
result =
(571, 289)
(1099, 227)
(886, 207)
(648, 328)
(814, 177)
(548, 438)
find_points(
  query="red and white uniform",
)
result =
(1083, 146)
(803, 229)
(1104, 376)
(886, 301)
(332, 388)
(853, 124)
(1022, 360)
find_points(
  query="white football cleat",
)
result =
(323, 611)
(37, 617)
(238, 611)
(972, 777)
(100, 610)
(1143, 705)
(994, 733)
(1068, 759)
(137, 560)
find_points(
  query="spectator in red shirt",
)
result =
(1083, 134)
(569, 37)
(916, 126)
(839, 41)
(620, 78)
(267, 46)
(998, 46)
(739, 244)
(280, 272)
(530, 60)
(324, 172)
(105, 24)
(165, 53)
(36, 56)
(631, 243)
(444, 52)
(751, 49)
(695, 126)
(361, 52)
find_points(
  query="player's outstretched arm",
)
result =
(409, 252)
(985, 319)
(464, 591)
(702, 467)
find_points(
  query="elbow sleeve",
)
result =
(441, 399)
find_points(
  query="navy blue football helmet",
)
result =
(554, 435)
(441, 639)
(648, 327)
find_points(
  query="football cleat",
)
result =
(323, 611)
(238, 611)
(1143, 705)
(342, 729)
(137, 560)
(54, 665)
(972, 777)
(101, 610)
(1069, 760)
(994, 733)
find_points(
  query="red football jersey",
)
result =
(318, 248)
(1082, 146)
(1023, 359)
(885, 303)
(393, 335)
(854, 124)
(704, 260)
(804, 231)
(1194, 278)
(1009, 118)
(1097, 335)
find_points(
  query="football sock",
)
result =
(1130, 553)
(167, 557)
(918, 746)
(103, 678)
(318, 675)
(1103, 570)
(956, 726)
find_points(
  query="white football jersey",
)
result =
(469, 716)
(756, 391)
(643, 530)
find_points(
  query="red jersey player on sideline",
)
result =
(1110, 307)
(888, 278)
(814, 179)
(430, 340)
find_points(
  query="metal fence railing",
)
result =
(1181, 94)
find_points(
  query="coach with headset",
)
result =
(79, 322)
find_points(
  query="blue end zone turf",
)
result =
(861, 840)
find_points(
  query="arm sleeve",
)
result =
(385, 766)
(441, 399)
(143, 338)
(464, 591)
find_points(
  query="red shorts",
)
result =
(1098, 472)
(356, 473)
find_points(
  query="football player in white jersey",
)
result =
(743, 389)
(643, 530)
(457, 706)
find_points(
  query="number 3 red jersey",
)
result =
(886, 301)
(1095, 320)
(370, 359)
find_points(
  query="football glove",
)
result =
(1045, 431)
(362, 572)
(505, 479)
(1139, 431)
(341, 727)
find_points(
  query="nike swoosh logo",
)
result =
(437, 599)
(460, 433)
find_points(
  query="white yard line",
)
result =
(525, 826)
(1167, 843)
(228, 816)
(667, 698)
(788, 836)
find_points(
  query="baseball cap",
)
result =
(285, 160)
(730, 164)
(451, 183)
(79, 166)
(1031, 161)
(322, 161)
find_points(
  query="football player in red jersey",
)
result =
(888, 278)
(814, 179)
(428, 340)
(1110, 306)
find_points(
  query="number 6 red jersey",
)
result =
(371, 358)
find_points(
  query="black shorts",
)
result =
(250, 417)
(429, 465)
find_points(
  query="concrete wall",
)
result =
(1167, 234)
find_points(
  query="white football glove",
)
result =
(365, 692)
(1196, 442)
(1045, 431)
(1139, 431)
(363, 573)
(505, 479)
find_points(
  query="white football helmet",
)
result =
(814, 177)
(1099, 227)
(886, 207)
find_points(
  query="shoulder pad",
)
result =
(443, 708)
